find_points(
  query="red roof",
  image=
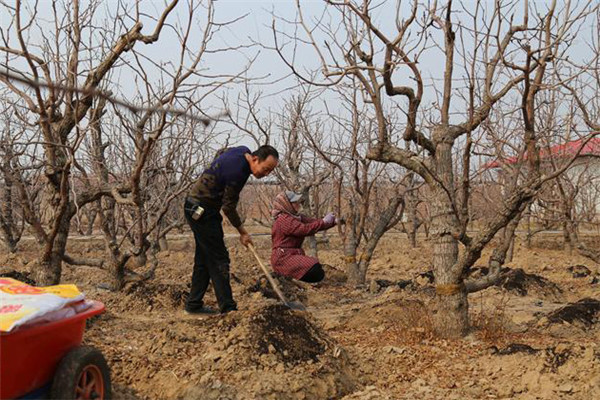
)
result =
(592, 147)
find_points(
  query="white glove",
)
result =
(329, 218)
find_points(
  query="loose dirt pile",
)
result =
(153, 296)
(583, 313)
(522, 283)
(273, 353)
(7, 272)
(268, 352)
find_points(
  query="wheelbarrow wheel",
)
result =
(82, 374)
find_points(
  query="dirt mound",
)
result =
(6, 272)
(266, 352)
(514, 348)
(579, 271)
(584, 313)
(288, 335)
(557, 372)
(402, 283)
(150, 296)
(411, 316)
(521, 283)
(284, 356)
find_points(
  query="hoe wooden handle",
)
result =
(267, 273)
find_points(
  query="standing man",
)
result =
(218, 187)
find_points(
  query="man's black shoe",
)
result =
(204, 310)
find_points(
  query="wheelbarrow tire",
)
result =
(82, 373)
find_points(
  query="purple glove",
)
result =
(329, 218)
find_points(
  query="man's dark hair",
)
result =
(264, 151)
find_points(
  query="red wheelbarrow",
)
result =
(48, 360)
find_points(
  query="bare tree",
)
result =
(369, 196)
(65, 74)
(412, 199)
(581, 79)
(158, 154)
(500, 60)
(167, 173)
(302, 170)
(11, 175)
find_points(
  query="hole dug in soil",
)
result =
(288, 287)
(579, 271)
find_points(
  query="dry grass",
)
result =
(490, 321)
(416, 323)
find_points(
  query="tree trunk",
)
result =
(163, 244)
(352, 267)
(412, 238)
(528, 240)
(7, 222)
(312, 247)
(567, 244)
(50, 200)
(363, 267)
(90, 221)
(450, 314)
(511, 250)
(116, 270)
(413, 221)
(49, 270)
(451, 309)
(140, 260)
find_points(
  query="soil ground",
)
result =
(372, 342)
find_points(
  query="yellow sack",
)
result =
(20, 303)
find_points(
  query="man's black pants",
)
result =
(211, 260)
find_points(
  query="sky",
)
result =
(252, 29)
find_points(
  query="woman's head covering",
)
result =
(283, 203)
(293, 197)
